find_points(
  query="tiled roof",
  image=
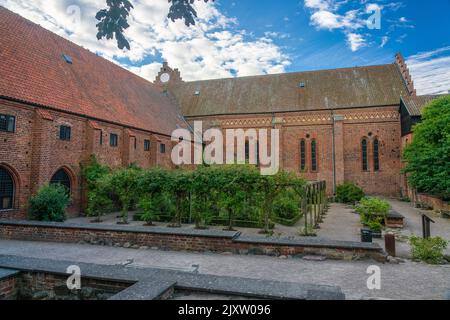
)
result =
(32, 69)
(415, 104)
(327, 89)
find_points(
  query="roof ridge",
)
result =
(294, 73)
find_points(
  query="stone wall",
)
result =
(8, 288)
(185, 240)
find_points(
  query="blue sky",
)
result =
(252, 37)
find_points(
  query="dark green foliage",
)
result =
(124, 184)
(93, 171)
(49, 204)
(99, 200)
(349, 193)
(373, 211)
(114, 19)
(428, 250)
(287, 205)
(428, 156)
(207, 195)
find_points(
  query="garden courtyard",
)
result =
(340, 223)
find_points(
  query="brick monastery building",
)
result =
(60, 103)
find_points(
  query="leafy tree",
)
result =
(153, 196)
(99, 200)
(114, 19)
(93, 171)
(124, 184)
(428, 156)
(49, 204)
(178, 185)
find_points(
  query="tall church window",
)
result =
(303, 155)
(313, 155)
(61, 177)
(365, 162)
(6, 190)
(376, 155)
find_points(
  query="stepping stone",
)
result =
(314, 258)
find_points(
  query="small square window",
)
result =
(65, 133)
(146, 145)
(7, 123)
(162, 148)
(113, 140)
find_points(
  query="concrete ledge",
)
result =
(150, 283)
(212, 233)
(186, 240)
(309, 242)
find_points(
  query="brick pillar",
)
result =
(339, 149)
(41, 150)
(126, 144)
(278, 124)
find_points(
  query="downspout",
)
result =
(333, 152)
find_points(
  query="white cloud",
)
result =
(431, 71)
(214, 47)
(355, 41)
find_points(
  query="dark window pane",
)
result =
(314, 155)
(302, 155)
(162, 148)
(62, 178)
(365, 162)
(7, 123)
(376, 155)
(247, 151)
(146, 145)
(65, 133)
(101, 137)
(114, 140)
(6, 190)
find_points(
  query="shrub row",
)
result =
(207, 196)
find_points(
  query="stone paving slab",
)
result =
(184, 280)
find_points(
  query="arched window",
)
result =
(365, 162)
(314, 155)
(303, 155)
(376, 155)
(61, 177)
(6, 190)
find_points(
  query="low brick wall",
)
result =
(434, 202)
(186, 240)
(8, 284)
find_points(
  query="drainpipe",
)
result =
(333, 152)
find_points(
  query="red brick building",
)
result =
(60, 103)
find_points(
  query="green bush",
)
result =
(49, 204)
(349, 193)
(99, 201)
(287, 205)
(373, 211)
(93, 171)
(428, 250)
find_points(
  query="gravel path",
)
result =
(409, 280)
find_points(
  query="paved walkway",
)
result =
(405, 281)
(341, 223)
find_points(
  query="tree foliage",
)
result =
(224, 193)
(113, 21)
(428, 156)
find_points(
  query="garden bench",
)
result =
(395, 220)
